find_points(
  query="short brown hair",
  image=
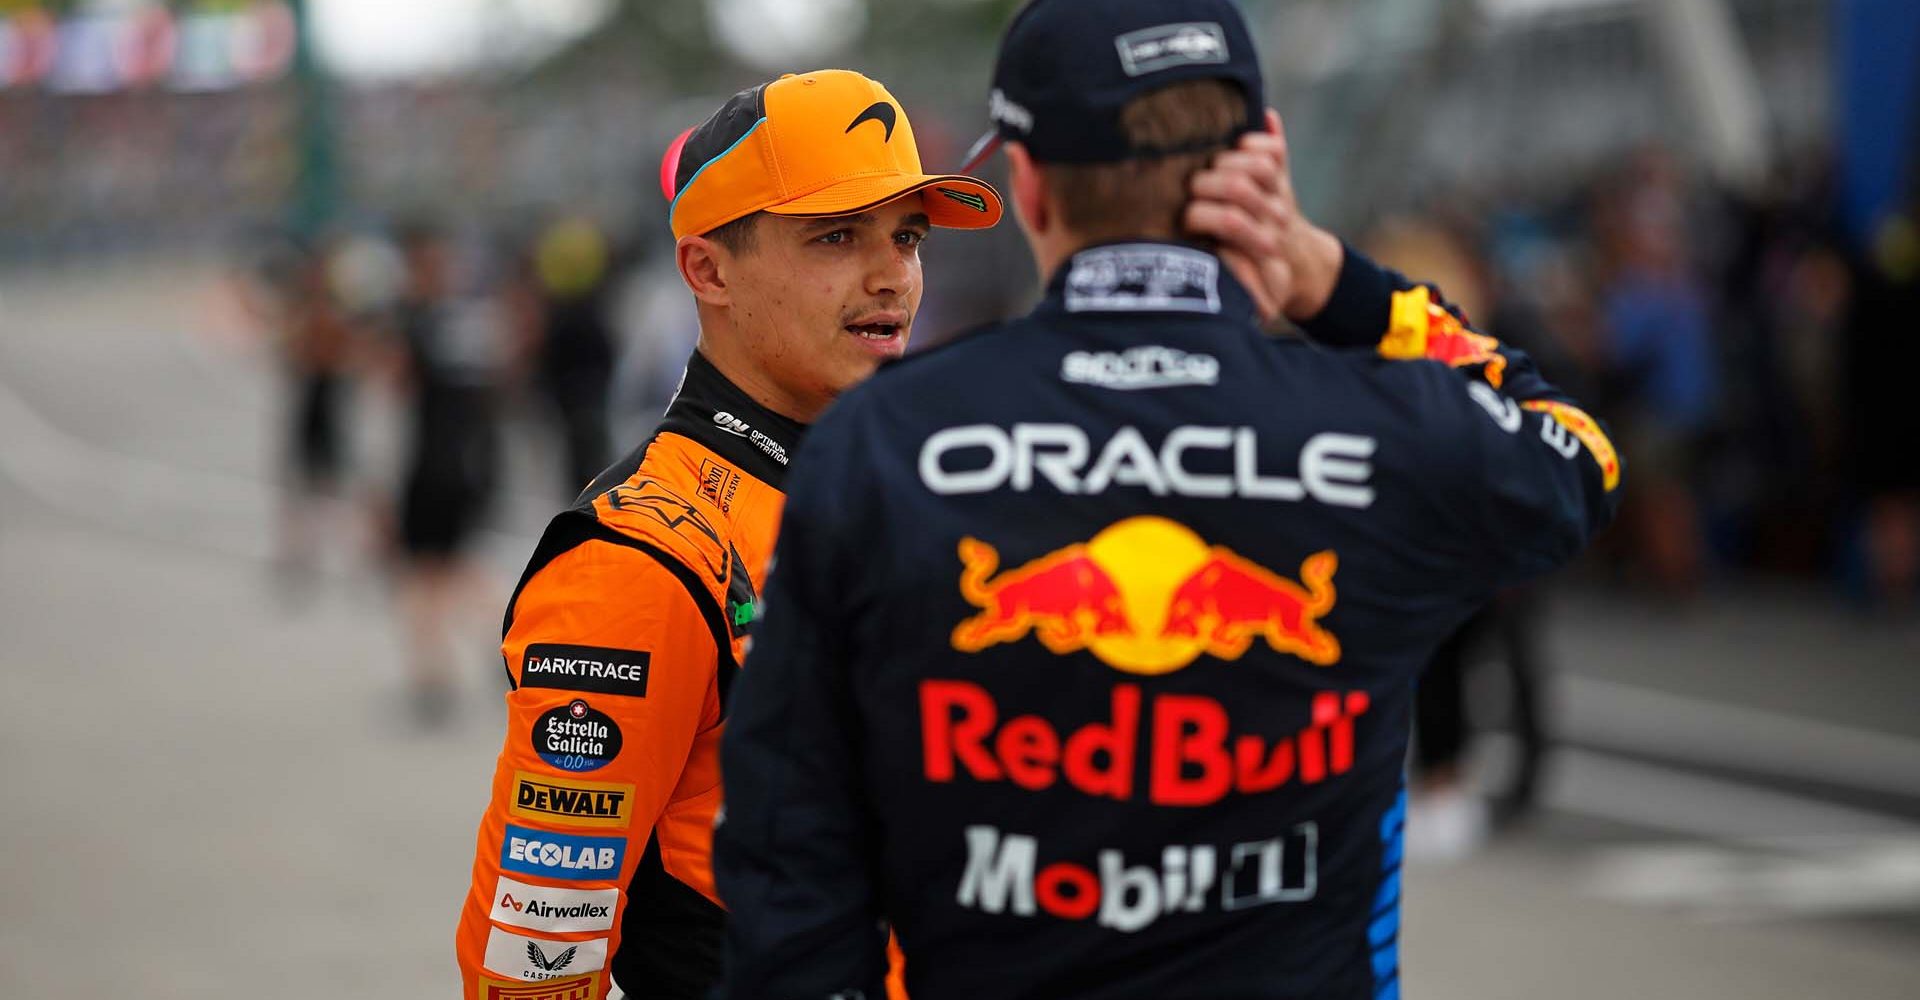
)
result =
(736, 236)
(1145, 196)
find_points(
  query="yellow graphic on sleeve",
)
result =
(1420, 328)
(571, 802)
(1588, 431)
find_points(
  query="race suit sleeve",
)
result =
(792, 858)
(614, 679)
(1537, 475)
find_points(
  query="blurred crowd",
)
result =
(467, 335)
(1742, 345)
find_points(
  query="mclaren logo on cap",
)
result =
(879, 111)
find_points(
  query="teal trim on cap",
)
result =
(675, 206)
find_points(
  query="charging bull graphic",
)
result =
(1147, 596)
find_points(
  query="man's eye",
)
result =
(910, 238)
(836, 237)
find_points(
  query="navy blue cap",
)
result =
(1067, 67)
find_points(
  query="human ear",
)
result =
(704, 266)
(1029, 184)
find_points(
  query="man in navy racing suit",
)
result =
(1088, 658)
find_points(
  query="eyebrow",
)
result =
(867, 219)
(836, 221)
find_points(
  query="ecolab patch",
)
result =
(551, 909)
(534, 959)
(561, 855)
(600, 669)
(571, 803)
(574, 988)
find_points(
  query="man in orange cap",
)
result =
(798, 210)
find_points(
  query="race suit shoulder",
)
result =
(621, 642)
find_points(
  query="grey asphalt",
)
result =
(214, 792)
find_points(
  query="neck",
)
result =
(737, 362)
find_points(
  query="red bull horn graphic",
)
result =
(1422, 328)
(1147, 596)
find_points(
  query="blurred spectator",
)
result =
(456, 355)
(1885, 425)
(290, 293)
(1659, 358)
(317, 349)
(570, 277)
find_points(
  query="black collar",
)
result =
(710, 409)
(1146, 276)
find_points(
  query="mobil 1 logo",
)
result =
(585, 668)
(576, 737)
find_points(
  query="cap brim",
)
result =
(981, 151)
(952, 201)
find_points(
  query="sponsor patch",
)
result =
(561, 855)
(1149, 366)
(573, 988)
(576, 737)
(554, 910)
(967, 198)
(718, 484)
(571, 802)
(534, 959)
(1143, 279)
(585, 668)
(1167, 45)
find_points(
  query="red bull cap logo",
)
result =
(1147, 596)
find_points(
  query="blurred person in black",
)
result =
(455, 356)
(571, 275)
(1882, 353)
(291, 293)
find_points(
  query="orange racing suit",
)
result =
(621, 640)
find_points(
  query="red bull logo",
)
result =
(1147, 596)
(1422, 328)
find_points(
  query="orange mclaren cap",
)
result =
(831, 142)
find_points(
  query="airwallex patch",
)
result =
(576, 737)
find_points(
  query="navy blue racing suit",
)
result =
(1089, 648)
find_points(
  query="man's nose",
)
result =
(892, 273)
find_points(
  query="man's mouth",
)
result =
(878, 326)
